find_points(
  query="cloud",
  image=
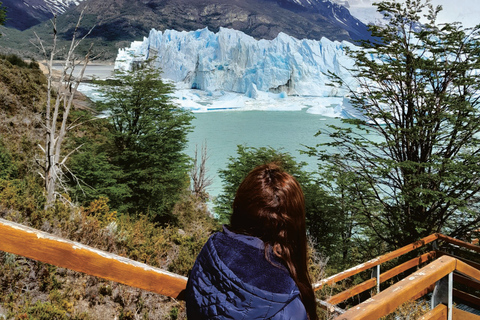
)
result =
(465, 11)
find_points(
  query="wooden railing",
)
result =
(375, 262)
(409, 288)
(415, 290)
(31, 243)
(41, 246)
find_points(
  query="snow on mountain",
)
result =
(336, 11)
(235, 62)
(60, 6)
(51, 6)
(23, 14)
(364, 10)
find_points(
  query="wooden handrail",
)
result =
(458, 278)
(438, 313)
(388, 300)
(459, 242)
(407, 289)
(374, 262)
(463, 315)
(468, 270)
(344, 295)
(31, 243)
(466, 298)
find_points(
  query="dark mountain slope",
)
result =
(24, 14)
(118, 22)
(20, 16)
(125, 19)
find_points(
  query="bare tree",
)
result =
(198, 173)
(60, 95)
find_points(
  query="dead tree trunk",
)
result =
(198, 173)
(60, 94)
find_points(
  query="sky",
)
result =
(465, 11)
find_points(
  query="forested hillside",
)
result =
(33, 290)
(104, 201)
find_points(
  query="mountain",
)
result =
(263, 19)
(23, 14)
(119, 22)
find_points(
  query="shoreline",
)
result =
(80, 101)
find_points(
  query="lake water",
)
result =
(93, 70)
(290, 131)
(222, 131)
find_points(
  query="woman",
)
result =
(257, 267)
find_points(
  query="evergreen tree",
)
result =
(94, 174)
(418, 90)
(149, 135)
(3, 14)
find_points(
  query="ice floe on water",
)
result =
(207, 101)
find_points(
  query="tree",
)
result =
(321, 212)
(354, 241)
(198, 173)
(95, 175)
(60, 94)
(417, 144)
(149, 135)
(3, 14)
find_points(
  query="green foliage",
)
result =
(8, 168)
(48, 279)
(25, 195)
(195, 227)
(3, 14)
(174, 313)
(149, 135)
(417, 88)
(21, 87)
(95, 175)
(20, 305)
(17, 61)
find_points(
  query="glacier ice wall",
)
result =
(230, 60)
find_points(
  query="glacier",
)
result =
(233, 70)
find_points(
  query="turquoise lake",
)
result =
(286, 130)
(222, 131)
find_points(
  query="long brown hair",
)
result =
(269, 204)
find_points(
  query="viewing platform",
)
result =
(445, 272)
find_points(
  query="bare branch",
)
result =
(198, 173)
(58, 111)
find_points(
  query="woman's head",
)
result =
(269, 204)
